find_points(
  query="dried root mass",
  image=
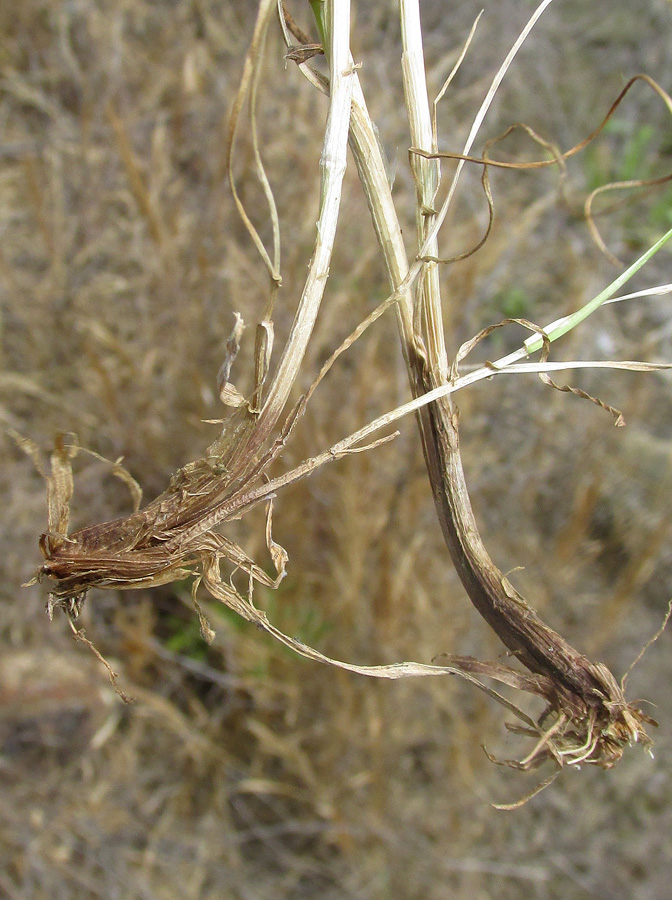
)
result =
(586, 719)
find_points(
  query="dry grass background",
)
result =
(241, 771)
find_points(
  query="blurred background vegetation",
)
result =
(241, 771)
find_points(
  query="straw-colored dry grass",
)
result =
(241, 770)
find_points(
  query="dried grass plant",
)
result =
(586, 717)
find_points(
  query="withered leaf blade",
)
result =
(304, 52)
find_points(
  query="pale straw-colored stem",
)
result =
(372, 170)
(427, 179)
(333, 165)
